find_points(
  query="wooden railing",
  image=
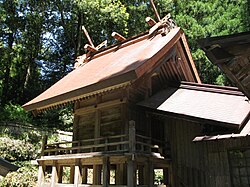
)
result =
(117, 143)
(131, 143)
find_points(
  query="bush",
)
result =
(26, 176)
(17, 150)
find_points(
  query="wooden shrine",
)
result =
(138, 107)
(110, 133)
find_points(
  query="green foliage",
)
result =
(102, 17)
(55, 119)
(26, 176)
(14, 113)
(158, 173)
(17, 150)
(201, 19)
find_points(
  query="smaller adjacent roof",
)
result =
(231, 53)
(222, 105)
(6, 167)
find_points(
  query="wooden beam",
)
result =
(118, 36)
(90, 48)
(89, 109)
(155, 10)
(151, 22)
(87, 35)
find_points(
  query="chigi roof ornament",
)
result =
(166, 23)
(163, 26)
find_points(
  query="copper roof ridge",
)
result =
(124, 43)
(211, 88)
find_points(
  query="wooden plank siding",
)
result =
(199, 164)
(100, 116)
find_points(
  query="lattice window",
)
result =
(240, 167)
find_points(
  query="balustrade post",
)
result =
(132, 140)
(106, 144)
(79, 145)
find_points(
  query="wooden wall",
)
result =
(100, 116)
(200, 164)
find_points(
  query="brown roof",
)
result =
(111, 68)
(231, 53)
(220, 105)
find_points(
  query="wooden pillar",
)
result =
(131, 174)
(60, 173)
(141, 174)
(119, 174)
(165, 176)
(149, 174)
(132, 140)
(171, 176)
(97, 174)
(84, 174)
(54, 177)
(106, 171)
(41, 175)
(77, 174)
(97, 127)
(72, 173)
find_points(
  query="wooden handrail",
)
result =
(88, 140)
(124, 143)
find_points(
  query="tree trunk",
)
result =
(6, 79)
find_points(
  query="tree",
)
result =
(201, 19)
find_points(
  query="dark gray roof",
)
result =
(6, 167)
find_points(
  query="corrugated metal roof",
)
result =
(218, 104)
(117, 65)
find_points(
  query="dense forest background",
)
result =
(40, 39)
